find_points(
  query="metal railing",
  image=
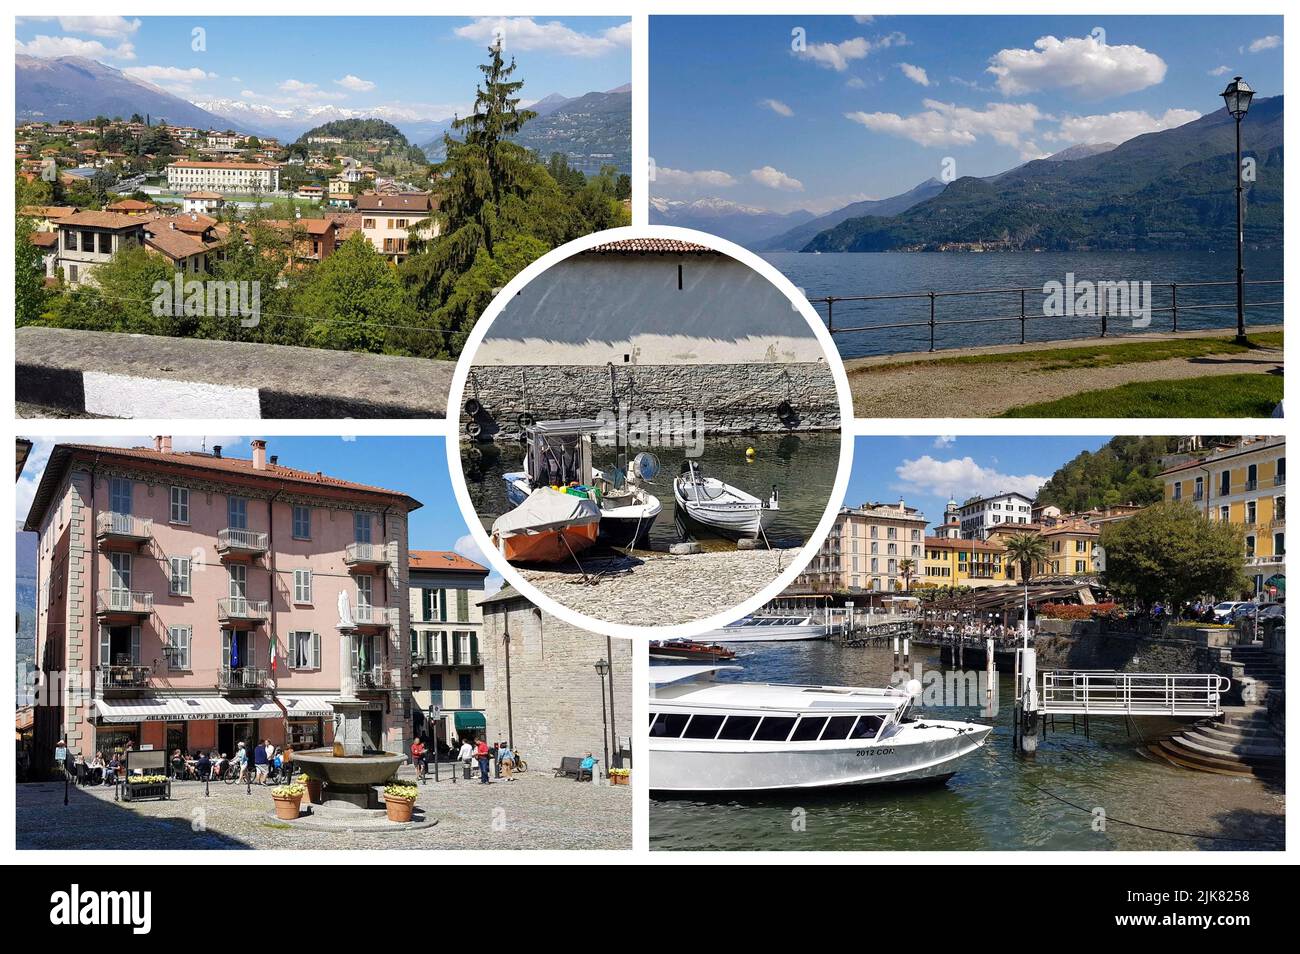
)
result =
(367, 614)
(124, 677)
(110, 524)
(242, 608)
(242, 540)
(372, 679)
(245, 677)
(124, 601)
(1022, 296)
(374, 554)
(1074, 692)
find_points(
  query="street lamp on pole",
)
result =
(602, 667)
(1237, 99)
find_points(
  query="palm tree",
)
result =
(1026, 549)
(907, 567)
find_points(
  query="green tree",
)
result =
(1170, 552)
(1026, 549)
(29, 275)
(907, 569)
(349, 299)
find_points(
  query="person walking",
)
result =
(506, 759)
(484, 755)
(417, 756)
(260, 763)
(467, 756)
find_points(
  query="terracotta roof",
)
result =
(101, 220)
(193, 222)
(201, 194)
(444, 560)
(45, 239)
(946, 543)
(61, 457)
(49, 211)
(1074, 526)
(401, 202)
(129, 205)
(310, 226)
(650, 246)
(175, 244)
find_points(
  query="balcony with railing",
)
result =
(239, 612)
(122, 529)
(366, 555)
(370, 679)
(123, 678)
(370, 617)
(237, 543)
(123, 603)
(242, 679)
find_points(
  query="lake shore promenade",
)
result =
(991, 380)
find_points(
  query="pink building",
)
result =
(192, 600)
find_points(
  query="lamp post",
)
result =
(602, 667)
(1237, 99)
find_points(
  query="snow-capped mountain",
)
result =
(291, 122)
(743, 224)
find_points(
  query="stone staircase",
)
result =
(1244, 742)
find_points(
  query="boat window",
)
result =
(703, 726)
(669, 725)
(867, 728)
(653, 716)
(838, 727)
(808, 729)
(739, 728)
(774, 729)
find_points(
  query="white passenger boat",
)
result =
(558, 455)
(711, 736)
(768, 629)
(708, 504)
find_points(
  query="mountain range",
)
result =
(798, 237)
(743, 224)
(1167, 190)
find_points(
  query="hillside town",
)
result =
(199, 604)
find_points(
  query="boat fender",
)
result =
(472, 407)
(525, 420)
(473, 428)
(784, 409)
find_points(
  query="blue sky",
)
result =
(426, 65)
(868, 107)
(416, 466)
(926, 471)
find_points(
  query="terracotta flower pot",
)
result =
(287, 808)
(313, 790)
(399, 809)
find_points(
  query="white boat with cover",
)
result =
(708, 504)
(768, 629)
(712, 736)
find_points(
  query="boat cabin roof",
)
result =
(757, 696)
(569, 426)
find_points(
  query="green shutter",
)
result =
(473, 649)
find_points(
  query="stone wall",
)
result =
(1123, 653)
(728, 398)
(554, 689)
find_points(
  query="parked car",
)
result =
(1248, 610)
(1225, 609)
(1272, 611)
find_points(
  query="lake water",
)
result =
(892, 273)
(801, 466)
(997, 800)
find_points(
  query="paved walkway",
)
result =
(914, 385)
(534, 811)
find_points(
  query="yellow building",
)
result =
(866, 551)
(1244, 484)
(1070, 546)
(955, 562)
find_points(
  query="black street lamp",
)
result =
(1237, 98)
(602, 667)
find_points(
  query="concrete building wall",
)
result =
(554, 689)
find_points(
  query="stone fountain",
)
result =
(349, 772)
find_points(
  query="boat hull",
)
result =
(548, 546)
(621, 527)
(730, 524)
(932, 752)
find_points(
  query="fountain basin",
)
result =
(348, 780)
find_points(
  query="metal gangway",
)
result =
(1095, 692)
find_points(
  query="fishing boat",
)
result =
(549, 526)
(558, 455)
(708, 735)
(678, 650)
(707, 504)
(769, 629)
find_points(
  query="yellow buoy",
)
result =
(750, 453)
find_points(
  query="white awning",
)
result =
(195, 708)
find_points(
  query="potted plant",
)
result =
(136, 787)
(399, 801)
(313, 787)
(619, 776)
(288, 800)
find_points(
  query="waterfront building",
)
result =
(187, 175)
(90, 239)
(865, 550)
(979, 514)
(954, 561)
(446, 635)
(195, 600)
(1244, 484)
(1070, 545)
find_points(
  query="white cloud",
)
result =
(53, 46)
(1220, 71)
(113, 28)
(525, 33)
(355, 83)
(944, 441)
(702, 177)
(855, 82)
(1120, 126)
(962, 477)
(946, 124)
(915, 73)
(1265, 43)
(177, 79)
(778, 107)
(776, 179)
(1082, 64)
(837, 56)
(305, 90)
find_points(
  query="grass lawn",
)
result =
(1224, 395)
(1104, 356)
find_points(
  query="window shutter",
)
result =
(442, 637)
(105, 646)
(135, 645)
(315, 650)
(473, 649)
(455, 649)
(442, 606)
(225, 649)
